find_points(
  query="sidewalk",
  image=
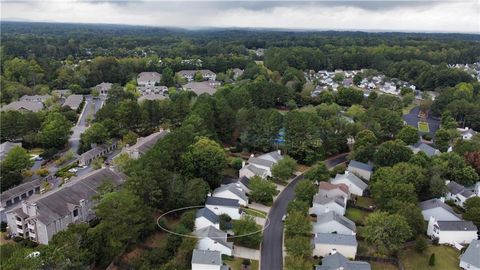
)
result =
(259, 207)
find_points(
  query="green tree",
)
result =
(297, 206)
(443, 138)
(262, 190)
(318, 172)
(472, 210)
(305, 190)
(96, 134)
(408, 135)
(297, 224)
(356, 111)
(391, 152)
(249, 231)
(349, 96)
(167, 77)
(16, 161)
(386, 232)
(284, 169)
(299, 246)
(54, 131)
(198, 76)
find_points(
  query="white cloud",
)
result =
(446, 16)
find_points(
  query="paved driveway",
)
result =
(247, 253)
(412, 120)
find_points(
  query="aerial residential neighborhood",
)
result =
(240, 135)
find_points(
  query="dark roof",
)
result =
(215, 234)
(360, 165)
(244, 180)
(318, 199)
(146, 143)
(471, 254)
(73, 101)
(427, 149)
(208, 214)
(222, 202)
(457, 225)
(335, 239)
(20, 189)
(338, 261)
(209, 257)
(455, 188)
(434, 203)
(332, 215)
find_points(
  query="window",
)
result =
(19, 219)
(20, 227)
(75, 212)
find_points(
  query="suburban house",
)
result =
(438, 209)
(206, 87)
(142, 98)
(337, 261)
(332, 222)
(470, 259)
(354, 183)
(41, 217)
(189, 75)
(23, 106)
(325, 244)
(35, 98)
(237, 73)
(211, 238)
(322, 205)
(144, 144)
(244, 183)
(207, 260)
(261, 165)
(231, 191)
(6, 147)
(329, 190)
(97, 152)
(205, 217)
(360, 169)
(19, 193)
(425, 148)
(73, 102)
(103, 88)
(226, 206)
(452, 231)
(148, 78)
(467, 133)
(458, 193)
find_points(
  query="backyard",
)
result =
(445, 258)
(236, 263)
(356, 215)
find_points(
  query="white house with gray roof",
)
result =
(23, 106)
(322, 205)
(244, 183)
(458, 193)
(189, 75)
(205, 87)
(353, 182)
(452, 232)
(41, 217)
(332, 222)
(35, 98)
(205, 217)
(363, 170)
(325, 244)
(103, 88)
(211, 238)
(470, 259)
(219, 206)
(425, 148)
(438, 209)
(261, 165)
(337, 261)
(207, 260)
(231, 191)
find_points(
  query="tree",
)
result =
(16, 161)
(318, 172)
(284, 168)
(297, 206)
(408, 135)
(54, 131)
(413, 215)
(431, 261)
(262, 190)
(299, 246)
(167, 77)
(248, 232)
(96, 134)
(365, 138)
(305, 190)
(443, 138)
(391, 152)
(356, 111)
(349, 96)
(205, 159)
(420, 244)
(386, 232)
(473, 158)
(297, 224)
(472, 210)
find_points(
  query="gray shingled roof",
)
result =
(149, 76)
(73, 101)
(332, 215)
(262, 162)
(434, 203)
(222, 202)
(146, 143)
(201, 87)
(92, 153)
(208, 214)
(456, 188)
(152, 97)
(20, 189)
(353, 179)
(232, 188)
(256, 170)
(318, 199)
(209, 257)
(471, 255)
(244, 180)
(215, 234)
(457, 225)
(338, 261)
(275, 155)
(335, 239)
(360, 165)
(32, 106)
(427, 149)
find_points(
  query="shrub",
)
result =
(42, 172)
(3, 226)
(431, 261)
(237, 163)
(420, 244)
(246, 262)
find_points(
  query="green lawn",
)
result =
(445, 258)
(365, 202)
(236, 264)
(254, 212)
(365, 249)
(356, 215)
(423, 127)
(382, 266)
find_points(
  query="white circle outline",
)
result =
(267, 223)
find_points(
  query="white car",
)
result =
(73, 170)
(284, 217)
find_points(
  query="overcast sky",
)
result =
(373, 15)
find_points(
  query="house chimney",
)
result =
(447, 182)
(279, 151)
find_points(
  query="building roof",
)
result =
(92, 153)
(256, 170)
(322, 200)
(208, 214)
(360, 165)
(208, 257)
(352, 178)
(6, 147)
(73, 101)
(261, 162)
(435, 203)
(274, 156)
(455, 188)
(149, 76)
(233, 189)
(456, 225)
(146, 143)
(335, 239)
(332, 215)
(20, 189)
(215, 234)
(222, 202)
(192, 72)
(33, 106)
(427, 149)
(244, 180)
(201, 87)
(58, 203)
(338, 261)
(328, 186)
(40, 98)
(471, 254)
(152, 97)
(104, 86)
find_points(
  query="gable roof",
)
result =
(274, 156)
(222, 202)
(208, 257)
(256, 170)
(208, 214)
(335, 239)
(471, 254)
(457, 225)
(456, 188)
(214, 234)
(427, 149)
(352, 178)
(233, 189)
(146, 143)
(338, 261)
(360, 165)
(149, 76)
(322, 200)
(244, 180)
(435, 203)
(201, 87)
(33, 106)
(94, 152)
(329, 186)
(333, 216)
(73, 101)
(261, 162)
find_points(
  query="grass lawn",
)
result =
(406, 110)
(231, 172)
(236, 264)
(365, 249)
(356, 215)
(445, 258)
(35, 151)
(423, 127)
(255, 213)
(365, 202)
(382, 266)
